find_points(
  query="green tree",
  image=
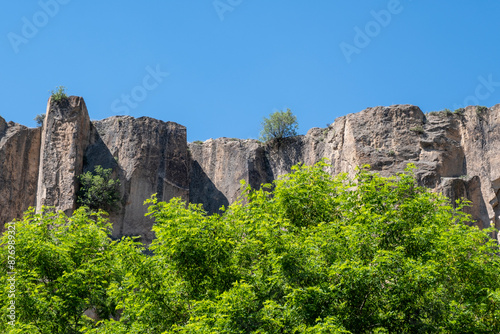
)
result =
(316, 255)
(39, 119)
(63, 267)
(280, 124)
(59, 94)
(309, 254)
(98, 190)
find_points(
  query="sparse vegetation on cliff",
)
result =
(98, 190)
(481, 110)
(39, 119)
(418, 129)
(280, 124)
(59, 94)
(310, 254)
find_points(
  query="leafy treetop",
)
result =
(280, 124)
(310, 254)
(39, 119)
(98, 190)
(59, 94)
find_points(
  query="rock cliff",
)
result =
(148, 156)
(65, 136)
(457, 154)
(39, 167)
(19, 160)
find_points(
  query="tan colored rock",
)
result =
(19, 160)
(217, 167)
(148, 156)
(65, 137)
(480, 133)
(456, 155)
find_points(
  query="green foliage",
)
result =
(310, 253)
(59, 94)
(459, 111)
(481, 110)
(418, 129)
(198, 142)
(98, 190)
(444, 112)
(447, 112)
(39, 119)
(280, 124)
(64, 266)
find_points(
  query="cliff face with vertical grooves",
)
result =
(65, 136)
(148, 156)
(39, 167)
(456, 154)
(19, 159)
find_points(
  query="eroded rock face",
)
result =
(65, 138)
(148, 156)
(218, 165)
(19, 160)
(458, 155)
(40, 166)
(480, 133)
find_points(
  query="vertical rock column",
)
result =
(65, 137)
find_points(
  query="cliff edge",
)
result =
(457, 154)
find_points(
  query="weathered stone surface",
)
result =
(19, 160)
(480, 133)
(218, 165)
(65, 137)
(458, 155)
(148, 156)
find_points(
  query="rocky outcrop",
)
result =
(457, 154)
(39, 167)
(65, 138)
(149, 157)
(480, 139)
(217, 167)
(19, 160)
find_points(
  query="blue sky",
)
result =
(218, 67)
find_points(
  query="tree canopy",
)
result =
(280, 124)
(310, 253)
(98, 190)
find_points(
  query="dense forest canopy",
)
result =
(310, 253)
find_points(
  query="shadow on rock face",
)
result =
(203, 190)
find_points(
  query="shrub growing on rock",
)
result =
(280, 124)
(59, 94)
(98, 190)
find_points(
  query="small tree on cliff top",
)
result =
(39, 119)
(280, 124)
(59, 94)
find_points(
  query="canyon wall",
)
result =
(456, 154)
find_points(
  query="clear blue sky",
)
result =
(230, 66)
